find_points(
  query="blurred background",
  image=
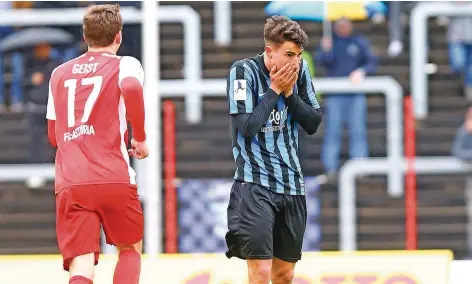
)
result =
(388, 169)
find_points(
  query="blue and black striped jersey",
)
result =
(271, 157)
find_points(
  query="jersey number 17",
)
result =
(71, 86)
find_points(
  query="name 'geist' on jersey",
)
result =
(270, 158)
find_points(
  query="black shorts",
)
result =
(263, 224)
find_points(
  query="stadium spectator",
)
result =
(459, 37)
(36, 87)
(74, 50)
(17, 65)
(462, 149)
(346, 54)
(4, 31)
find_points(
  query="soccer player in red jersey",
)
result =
(90, 99)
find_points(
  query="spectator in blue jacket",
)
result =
(462, 147)
(349, 55)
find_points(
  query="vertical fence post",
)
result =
(411, 229)
(171, 226)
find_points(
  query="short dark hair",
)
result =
(279, 29)
(101, 23)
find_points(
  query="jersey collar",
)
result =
(98, 52)
(261, 64)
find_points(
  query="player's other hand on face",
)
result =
(280, 80)
(138, 150)
(288, 92)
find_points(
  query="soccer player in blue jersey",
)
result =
(269, 96)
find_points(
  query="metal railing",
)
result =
(222, 26)
(419, 47)
(152, 183)
(379, 166)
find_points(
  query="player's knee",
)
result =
(282, 276)
(82, 265)
(138, 247)
(261, 275)
(259, 271)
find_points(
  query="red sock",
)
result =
(80, 280)
(128, 268)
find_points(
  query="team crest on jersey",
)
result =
(240, 92)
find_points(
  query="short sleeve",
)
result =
(306, 90)
(51, 110)
(130, 67)
(240, 89)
